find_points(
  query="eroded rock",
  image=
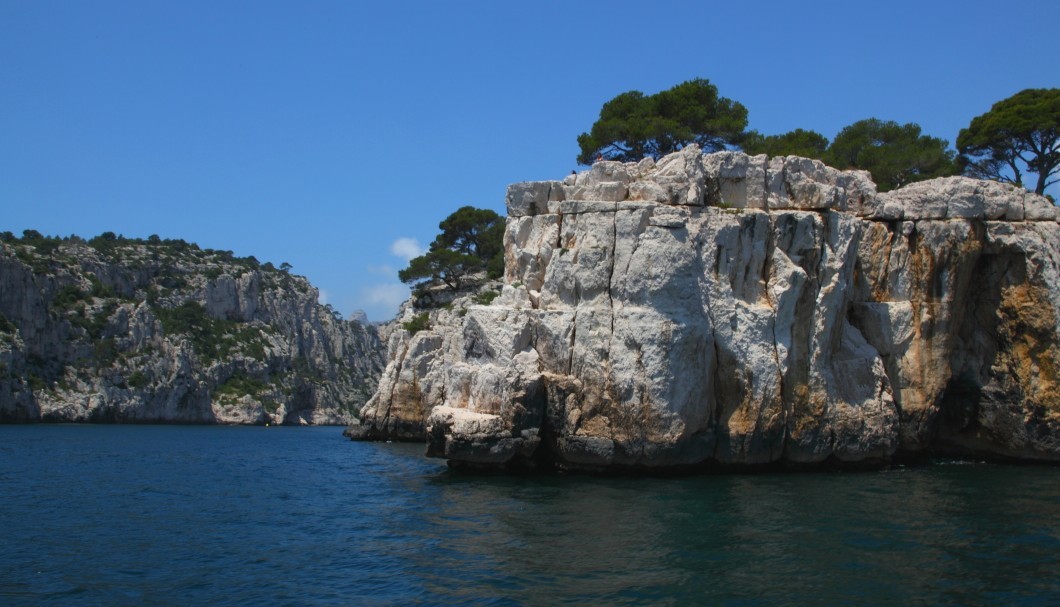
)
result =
(163, 332)
(734, 310)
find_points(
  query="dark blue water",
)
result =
(165, 515)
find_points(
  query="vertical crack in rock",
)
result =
(611, 270)
(771, 300)
(559, 231)
(825, 246)
(765, 184)
(393, 388)
(786, 185)
(715, 372)
(609, 388)
(573, 337)
(573, 333)
(632, 251)
(885, 263)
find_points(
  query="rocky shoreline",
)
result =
(116, 330)
(733, 311)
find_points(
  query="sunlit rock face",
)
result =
(163, 332)
(730, 310)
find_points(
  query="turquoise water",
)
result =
(178, 515)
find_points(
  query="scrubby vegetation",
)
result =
(240, 385)
(134, 320)
(483, 298)
(419, 322)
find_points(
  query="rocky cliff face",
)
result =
(119, 330)
(731, 310)
(415, 339)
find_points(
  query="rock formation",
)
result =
(119, 330)
(398, 410)
(732, 310)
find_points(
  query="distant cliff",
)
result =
(120, 330)
(732, 310)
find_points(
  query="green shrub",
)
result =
(483, 298)
(106, 242)
(137, 380)
(99, 289)
(240, 384)
(66, 297)
(419, 322)
(190, 319)
(40, 264)
(100, 320)
(105, 352)
(37, 383)
(97, 323)
(45, 245)
(495, 266)
(211, 338)
(250, 340)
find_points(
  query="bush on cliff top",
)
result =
(471, 241)
(634, 125)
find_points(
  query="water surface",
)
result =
(183, 515)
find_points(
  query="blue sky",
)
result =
(336, 135)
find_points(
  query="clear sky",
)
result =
(335, 135)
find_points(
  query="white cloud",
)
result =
(383, 270)
(322, 296)
(388, 295)
(407, 248)
(383, 300)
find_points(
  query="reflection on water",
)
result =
(289, 516)
(935, 535)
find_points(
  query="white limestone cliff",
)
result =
(163, 332)
(727, 309)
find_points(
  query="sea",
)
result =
(219, 515)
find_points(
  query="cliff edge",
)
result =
(726, 309)
(160, 331)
